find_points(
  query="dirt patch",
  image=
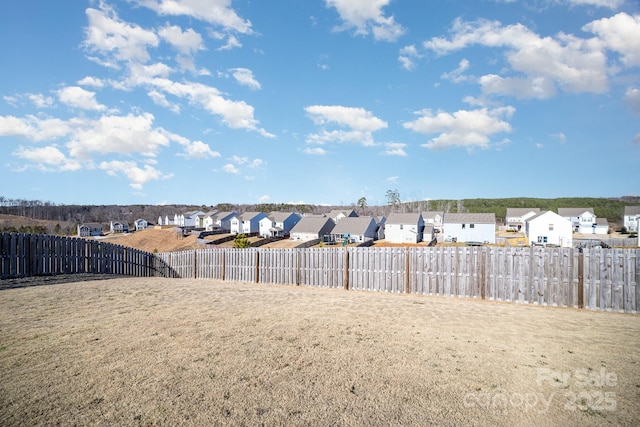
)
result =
(200, 352)
(156, 240)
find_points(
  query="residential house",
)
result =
(338, 214)
(312, 227)
(118, 227)
(166, 220)
(219, 220)
(404, 228)
(435, 218)
(631, 218)
(429, 233)
(601, 226)
(516, 218)
(188, 219)
(90, 229)
(549, 228)
(583, 220)
(141, 224)
(201, 219)
(278, 224)
(355, 229)
(246, 223)
(470, 227)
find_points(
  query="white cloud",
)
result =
(566, 61)
(264, 198)
(83, 139)
(244, 77)
(395, 149)
(611, 4)
(366, 17)
(158, 98)
(229, 168)
(91, 81)
(117, 135)
(532, 87)
(199, 150)
(392, 179)
(235, 114)
(620, 33)
(232, 43)
(356, 118)
(457, 75)
(407, 56)
(115, 39)
(463, 128)
(34, 128)
(636, 139)
(39, 100)
(316, 151)
(632, 99)
(217, 12)
(186, 42)
(77, 97)
(48, 158)
(360, 123)
(256, 163)
(137, 176)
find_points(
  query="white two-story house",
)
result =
(583, 220)
(278, 224)
(404, 228)
(549, 228)
(516, 218)
(631, 218)
(470, 227)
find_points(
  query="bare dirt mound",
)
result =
(155, 240)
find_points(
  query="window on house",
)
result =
(463, 226)
(401, 226)
(550, 227)
(472, 225)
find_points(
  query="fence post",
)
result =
(346, 269)
(257, 266)
(483, 257)
(407, 287)
(195, 264)
(297, 251)
(580, 279)
(224, 258)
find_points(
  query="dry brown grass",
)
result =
(188, 352)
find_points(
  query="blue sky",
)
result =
(318, 101)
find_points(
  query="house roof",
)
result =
(632, 210)
(602, 221)
(521, 211)
(223, 215)
(403, 218)
(432, 214)
(247, 216)
(467, 218)
(311, 224)
(346, 212)
(543, 213)
(353, 225)
(280, 216)
(568, 212)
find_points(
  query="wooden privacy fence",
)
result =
(598, 279)
(24, 255)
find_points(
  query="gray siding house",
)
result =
(312, 227)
